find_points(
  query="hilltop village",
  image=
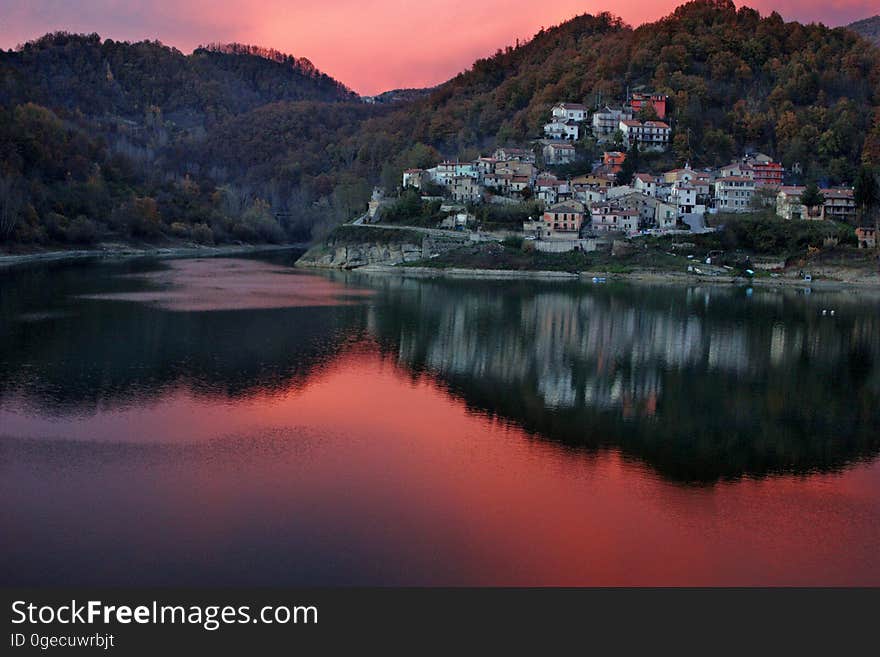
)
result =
(576, 205)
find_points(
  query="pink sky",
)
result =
(370, 45)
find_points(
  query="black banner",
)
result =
(326, 621)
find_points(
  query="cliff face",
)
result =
(349, 256)
(349, 247)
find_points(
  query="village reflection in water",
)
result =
(701, 382)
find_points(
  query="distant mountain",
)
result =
(398, 96)
(106, 77)
(868, 28)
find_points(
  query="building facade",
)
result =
(734, 194)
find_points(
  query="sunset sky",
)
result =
(371, 45)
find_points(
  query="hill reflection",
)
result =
(74, 339)
(702, 384)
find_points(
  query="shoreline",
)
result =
(638, 276)
(8, 261)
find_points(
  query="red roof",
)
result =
(837, 193)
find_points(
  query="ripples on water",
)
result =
(235, 421)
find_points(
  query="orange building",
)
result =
(614, 160)
(658, 101)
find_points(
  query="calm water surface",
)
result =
(239, 422)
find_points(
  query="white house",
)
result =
(611, 219)
(687, 199)
(588, 194)
(412, 178)
(484, 165)
(562, 129)
(646, 183)
(569, 111)
(650, 135)
(520, 183)
(607, 120)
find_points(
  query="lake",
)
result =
(231, 422)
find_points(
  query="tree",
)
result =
(811, 197)
(648, 113)
(867, 192)
(629, 167)
(11, 203)
(867, 197)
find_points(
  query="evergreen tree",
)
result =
(867, 192)
(629, 167)
(811, 197)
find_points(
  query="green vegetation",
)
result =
(492, 216)
(811, 197)
(410, 210)
(771, 235)
(350, 235)
(520, 255)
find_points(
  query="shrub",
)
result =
(82, 230)
(179, 229)
(203, 234)
(56, 226)
(513, 242)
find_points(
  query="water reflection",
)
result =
(82, 338)
(349, 429)
(701, 383)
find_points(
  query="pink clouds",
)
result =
(371, 45)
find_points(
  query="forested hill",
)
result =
(105, 77)
(868, 28)
(241, 143)
(97, 139)
(805, 94)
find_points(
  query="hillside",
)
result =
(235, 142)
(808, 95)
(804, 93)
(105, 77)
(868, 28)
(96, 136)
